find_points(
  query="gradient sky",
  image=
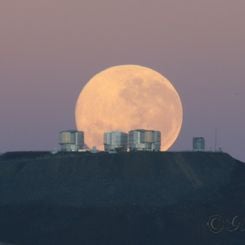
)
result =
(50, 48)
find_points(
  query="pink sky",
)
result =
(50, 49)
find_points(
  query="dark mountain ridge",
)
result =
(127, 198)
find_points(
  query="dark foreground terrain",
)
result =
(122, 199)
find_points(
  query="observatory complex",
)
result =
(118, 141)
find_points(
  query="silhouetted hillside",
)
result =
(122, 199)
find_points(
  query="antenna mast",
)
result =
(215, 139)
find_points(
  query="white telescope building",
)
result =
(115, 141)
(144, 140)
(71, 140)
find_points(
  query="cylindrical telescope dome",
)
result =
(71, 140)
(144, 140)
(115, 141)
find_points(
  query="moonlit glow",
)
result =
(128, 97)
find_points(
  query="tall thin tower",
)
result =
(215, 139)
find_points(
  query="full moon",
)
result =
(129, 97)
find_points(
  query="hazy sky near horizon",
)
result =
(49, 49)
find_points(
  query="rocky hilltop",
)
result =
(122, 199)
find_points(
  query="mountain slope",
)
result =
(129, 198)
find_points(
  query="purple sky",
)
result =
(50, 48)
